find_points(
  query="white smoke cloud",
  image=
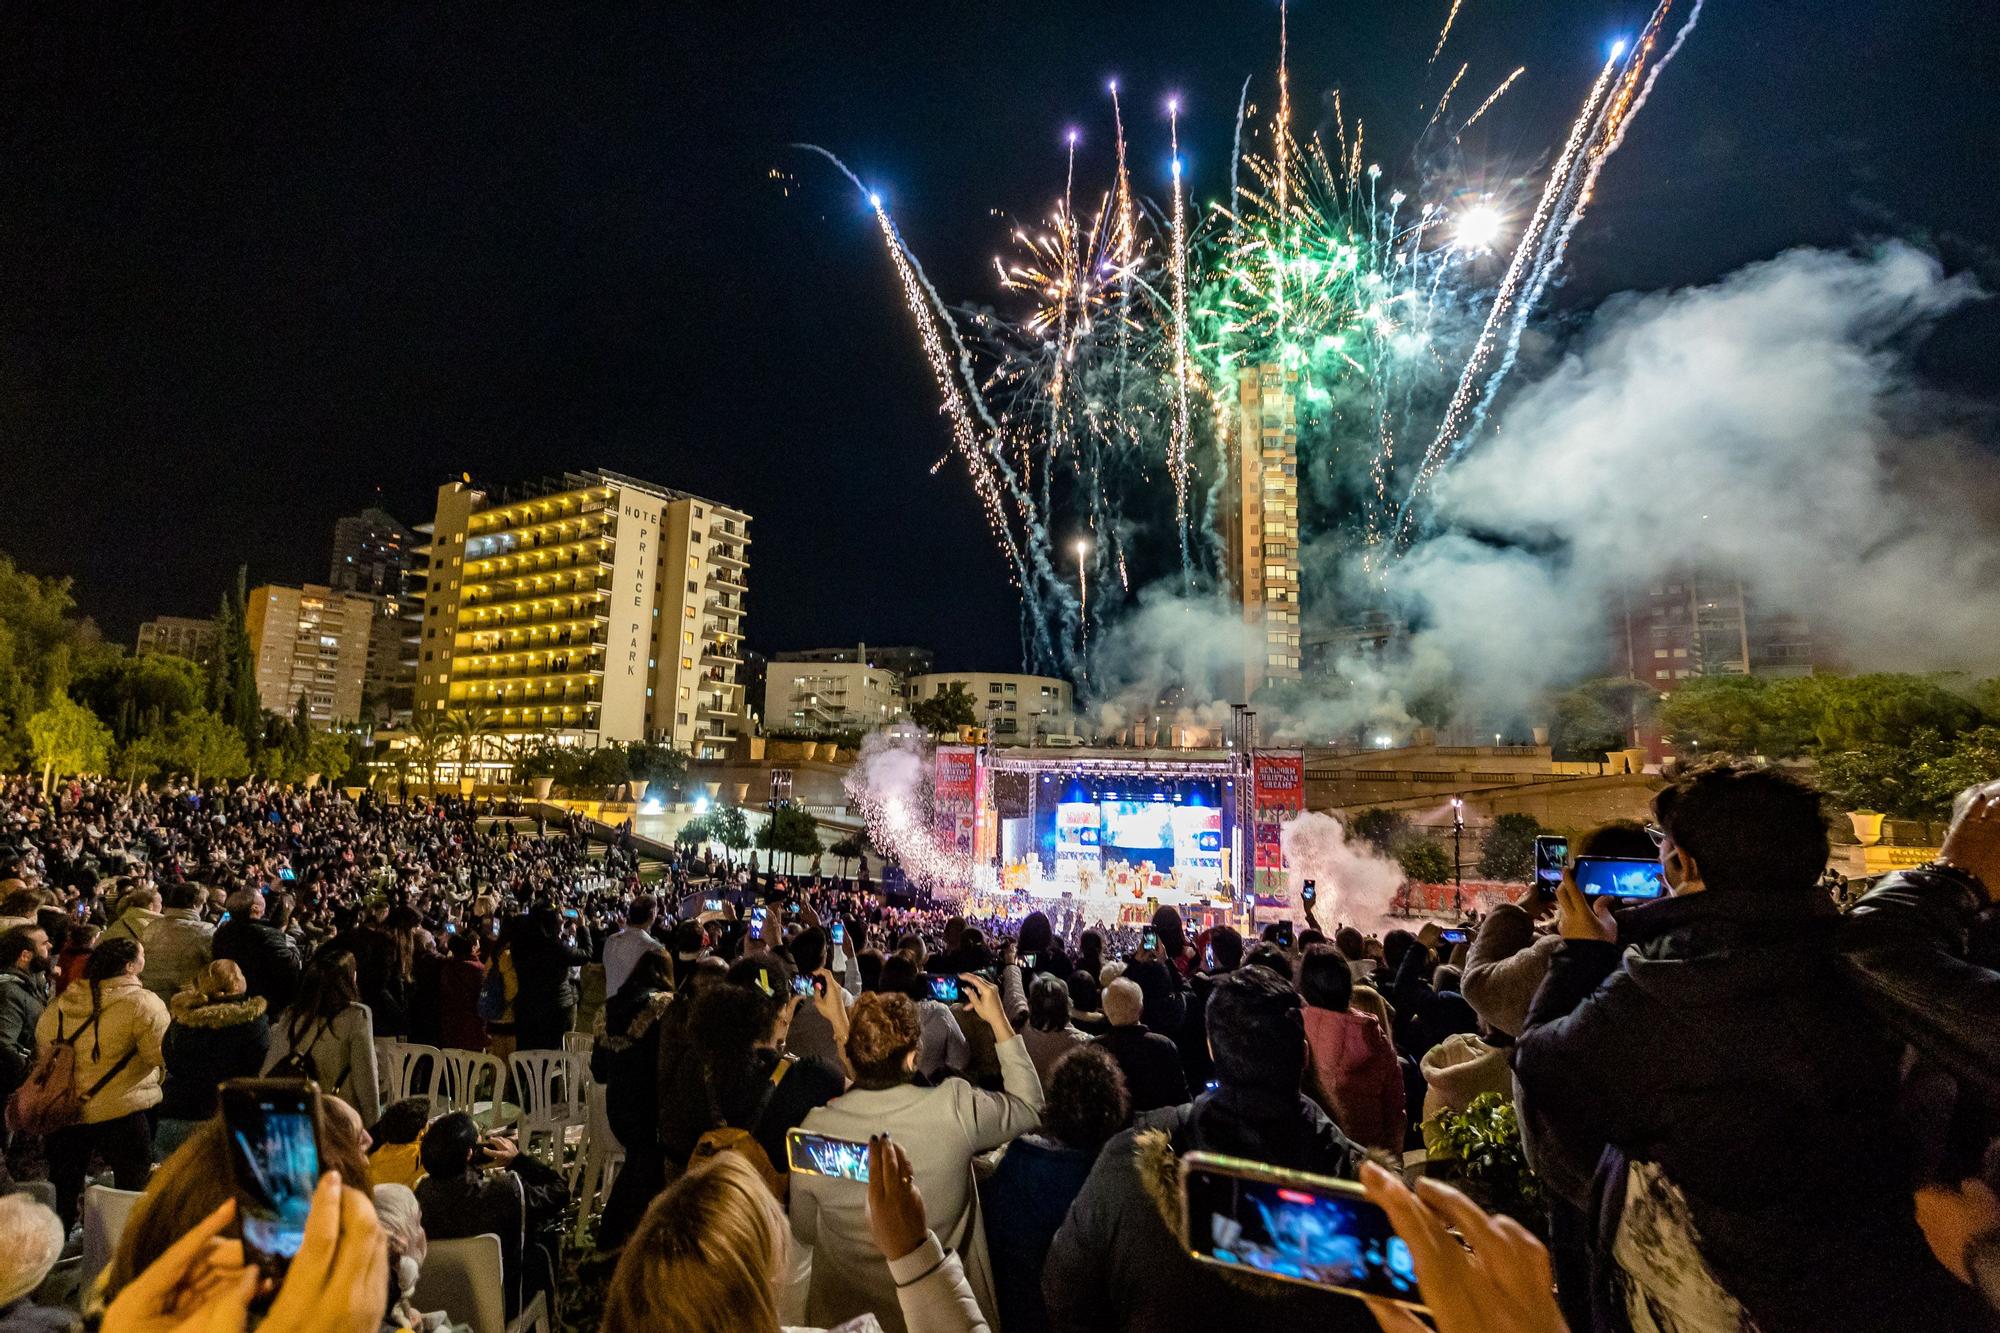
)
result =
(1354, 884)
(1768, 425)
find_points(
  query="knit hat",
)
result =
(31, 1240)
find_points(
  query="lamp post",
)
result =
(1457, 854)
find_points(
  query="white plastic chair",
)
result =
(400, 1062)
(550, 1085)
(464, 1279)
(599, 1158)
(474, 1082)
(105, 1212)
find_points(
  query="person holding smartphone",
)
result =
(1738, 1102)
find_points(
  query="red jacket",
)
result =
(1357, 1067)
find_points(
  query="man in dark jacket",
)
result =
(1735, 1100)
(522, 1204)
(1151, 1063)
(24, 993)
(545, 1006)
(1118, 1261)
(270, 964)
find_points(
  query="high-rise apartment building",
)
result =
(311, 641)
(182, 636)
(374, 553)
(1260, 519)
(1703, 623)
(594, 606)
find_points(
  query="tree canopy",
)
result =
(946, 711)
(1509, 851)
(67, 738)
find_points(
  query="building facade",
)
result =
(311, 641)
(182, 636)
(593, 606)
(375, 554)
(1694, 624)
(906, 661)
(1015, 709)
(821, 698)
(1260, 520)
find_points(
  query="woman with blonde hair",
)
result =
(713, 1248)
(944, 1127)
(218, 1032)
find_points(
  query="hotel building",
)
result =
(1260, 519)
(593, 606)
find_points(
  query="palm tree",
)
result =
(465, 729)
(428, 741)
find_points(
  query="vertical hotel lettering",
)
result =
(635, 650)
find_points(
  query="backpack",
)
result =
(49, 1101)
(298, 1062)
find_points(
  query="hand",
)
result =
(500, 1150)
(1430, 934)
(1535, 903)
(895, 1205)
(1952, 1218)
(1009, 952)
(831, 1002)
(200, 1285)
(1497, 1281)
(986, 1003)
(339, 1280)
(1973, 842)
(1577, 919)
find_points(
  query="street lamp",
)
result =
(1457, 854)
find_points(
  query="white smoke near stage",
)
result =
(891, 784)
(1355, 884)
(1768, 427)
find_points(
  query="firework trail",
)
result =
(1595, 135)
(1177, 454)
(1445, 32)
(1491, 98)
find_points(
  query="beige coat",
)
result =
(130, 1018)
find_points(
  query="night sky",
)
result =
(258, 261)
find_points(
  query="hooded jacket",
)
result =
(1118, 1262)
(1358, 1069)
(1723, 1047)
(130, 1020)
(209, 1041)
(1461, 1067)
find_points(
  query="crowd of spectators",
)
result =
(1744, 1105)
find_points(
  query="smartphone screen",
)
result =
(711, 904)
(818, 1155)
(1028, 961)
(1454, 936)
(1309, 891)
(1620, 877)
(945, 989)
(1149, 940)
(839, 933)
(1551, 855)
(273, 1127)
(804, 986)
(1293, 1227)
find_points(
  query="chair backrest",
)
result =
(409, 1069)
(463, 1279)
(550, 1086)
(105, 1212)
(578, 1043)
(467, 1079)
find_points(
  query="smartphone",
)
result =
(570, 912)
(450, 929)
(1551, 855)
(1293, 1227)
(1149, 939)
(1620, 877)
(711, 904)
(818, 1155)
(1208, 958)
(945, 988)
(806, 986)
(839, 933)
(274, 1130)
(1309, 891)
(1028, 961)
(1285, 934)
(285, 873)
(1454, 936)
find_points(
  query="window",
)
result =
(683, 718)
(1010, 687)
(687, 664)
(686, 638)
(687, 613)
(993, 687)
(684, 692)
(693, 586)
(1680, 652)
(1659, 652)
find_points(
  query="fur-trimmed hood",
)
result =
(193, 1009)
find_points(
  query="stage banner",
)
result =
(955, 789)
(1278, 778)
